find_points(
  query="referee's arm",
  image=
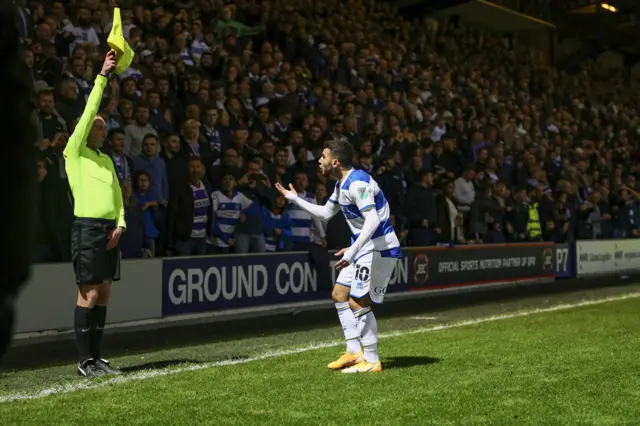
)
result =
(118, 202)
(80, 134)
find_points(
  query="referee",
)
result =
(99, 223)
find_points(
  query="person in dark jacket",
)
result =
(229, 164)
(484, 207)
(450, 221)
(57, 200)
(413, 173)
(627, 216)
(594, 219)
(451, 159)
(560, 231)
(174, 159)
(517, 216)
(391, 181)
(248, 232)
(189, 213)
(496, 220)
(421, 210)
(44, 239)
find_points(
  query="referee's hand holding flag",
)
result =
(109, 63)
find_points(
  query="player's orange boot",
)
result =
(346, 360)
(364, 367)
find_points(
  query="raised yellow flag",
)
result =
(124, 53)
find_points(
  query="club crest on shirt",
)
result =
(363, 193)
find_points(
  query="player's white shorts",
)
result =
(370, 274)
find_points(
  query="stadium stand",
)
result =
(470, 138)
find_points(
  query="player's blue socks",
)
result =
(349, 326)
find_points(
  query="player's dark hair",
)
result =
(342, 151)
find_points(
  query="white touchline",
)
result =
(424, 318)
(84, 385)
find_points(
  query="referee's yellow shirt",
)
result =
(91, 174)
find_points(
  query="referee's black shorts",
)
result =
(92, 262)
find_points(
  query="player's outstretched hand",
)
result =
(289, 194)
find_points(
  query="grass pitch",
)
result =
(572, 366)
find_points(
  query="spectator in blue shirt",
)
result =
(276, 225)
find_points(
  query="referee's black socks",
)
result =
(97, 330)
(82, 324)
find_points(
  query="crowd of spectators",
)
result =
(464, 133)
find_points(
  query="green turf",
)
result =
(576, 366)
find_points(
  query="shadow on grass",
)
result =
(408, 361)
(157, 365)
